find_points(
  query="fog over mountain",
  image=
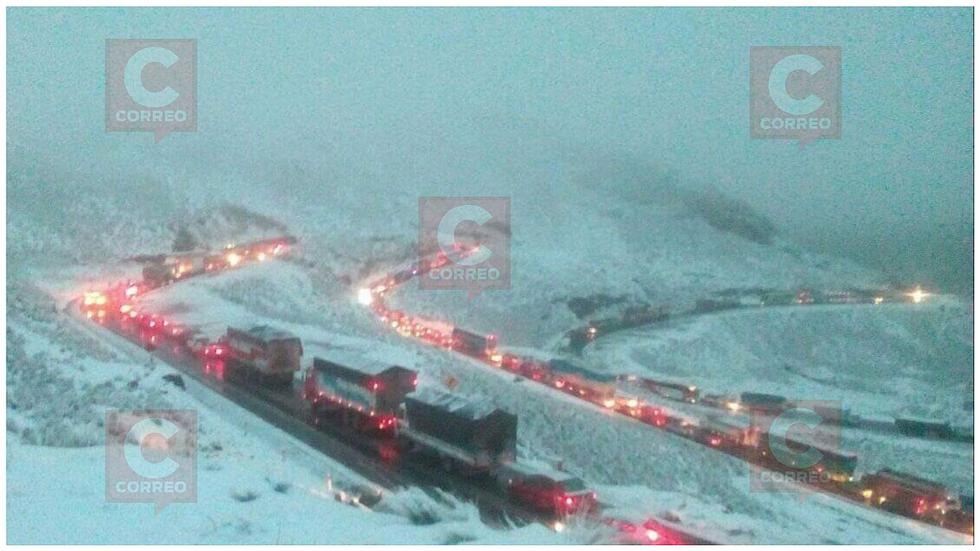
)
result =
(461, 102)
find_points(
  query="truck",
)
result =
(467, 436)
(186, 265)
(598, 388)
(364, 394)
(763, 403)
(733, 431)
(554, 493)
(471, 344)
(268, 248)
(923, 428)
(906, 494)
(165, 269)
(675, 391)
(806, 456)
(159, 273)
(703, 306)
(270, 354)
(640, 315)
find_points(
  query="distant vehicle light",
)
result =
(609, 403)
(94, 298)
(365, 296)
(918, 295)
(652, 535)
(233, 259)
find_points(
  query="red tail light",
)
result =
(920, 506)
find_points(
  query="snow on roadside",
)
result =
(255, 484)
(664, 475)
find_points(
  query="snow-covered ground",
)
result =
(255, 484)
(576, 234)
(881, 362)
(925, 351)
(639, 471)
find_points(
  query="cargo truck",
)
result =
(264, 352)
(364, 394)
(467, 436)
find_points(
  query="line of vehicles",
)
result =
(376, 400)
(834, 472)
(460, 435)
(772, 405)
(635, 316)
(165, 269)
(380, 401)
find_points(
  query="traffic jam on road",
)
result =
(377, 403)
(382, 403)
(889, 490)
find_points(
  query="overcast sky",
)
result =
(668, 87)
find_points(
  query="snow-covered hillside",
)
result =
(255, 484)
(576, 234)
(638, 471)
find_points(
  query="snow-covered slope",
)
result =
(255, 484)
(578, 231)
(639, 471)
(923, 352)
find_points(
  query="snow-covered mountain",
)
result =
(332, 127)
